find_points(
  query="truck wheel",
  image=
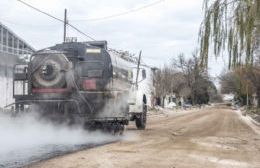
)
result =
(140, 121)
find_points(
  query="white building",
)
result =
(12, 48)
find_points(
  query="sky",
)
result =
(161, 31)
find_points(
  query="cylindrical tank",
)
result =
(122, 71)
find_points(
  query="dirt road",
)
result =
(211, 137)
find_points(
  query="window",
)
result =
(91, 69)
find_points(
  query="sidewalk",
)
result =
(255, 125)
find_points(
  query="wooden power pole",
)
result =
(138, 68)
(65, 26)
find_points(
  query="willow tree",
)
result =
(233, 25)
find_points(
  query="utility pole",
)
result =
(65, 26)
(247, 99)
(138, 68)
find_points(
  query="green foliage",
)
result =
(229, 24)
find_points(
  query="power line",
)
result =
(58, 19)
(121, 14)
(45, 13)
(75, 28)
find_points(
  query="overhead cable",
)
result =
(58, 19)
(120, 14)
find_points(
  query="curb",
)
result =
(254, 121)
(250, 118)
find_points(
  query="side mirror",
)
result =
(143, 74)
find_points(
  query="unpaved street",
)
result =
(211, 137)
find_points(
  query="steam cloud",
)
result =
(25, 139)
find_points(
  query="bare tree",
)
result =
(229, 83)
(163, 82)
(196, 78)
(252, 76)
(186, 79)
(242, 81)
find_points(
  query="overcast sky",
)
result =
(161, 31)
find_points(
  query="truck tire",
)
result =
(140, 121)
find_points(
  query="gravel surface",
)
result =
(210, 137)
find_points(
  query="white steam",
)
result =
(115, 107)
(25, 138)
(6, 88)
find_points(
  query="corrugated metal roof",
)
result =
(16, 36)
